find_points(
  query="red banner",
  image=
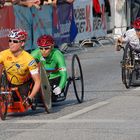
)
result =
(7, 22)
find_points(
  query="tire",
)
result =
(3, 107)
(78, 81)
(3, 97)
(127, 67)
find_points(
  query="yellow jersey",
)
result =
(19, 69)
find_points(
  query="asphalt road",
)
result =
(99, 117)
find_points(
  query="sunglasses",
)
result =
(14, 41)
(45, 48)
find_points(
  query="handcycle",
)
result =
(11, 100)
(8, 105)
(130, 65)
(76, 78)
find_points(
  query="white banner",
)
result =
(99, 22)
(89, 26)
(82, 14)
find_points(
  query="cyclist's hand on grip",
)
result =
(57, 91)
(119, 45)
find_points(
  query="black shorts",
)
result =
(54, 82)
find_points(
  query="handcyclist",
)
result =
(53, 61)
(132, 36)
(20, 67)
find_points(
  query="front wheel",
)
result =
(3, 107)
(77, 78)
(45, 90)
(127, 66)
(3, 97)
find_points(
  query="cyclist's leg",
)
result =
(25, 89)
(54, 83)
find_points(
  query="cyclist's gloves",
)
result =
(28, 102)
(57, 91)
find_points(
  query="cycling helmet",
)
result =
(136, 23)
(18, 34)
(45, 40)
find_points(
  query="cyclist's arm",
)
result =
(126, 37)
(37, 82)
(135, 47)
(33, 68)
(62, 69)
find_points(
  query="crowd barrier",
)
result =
(66, 22)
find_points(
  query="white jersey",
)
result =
(131, 37)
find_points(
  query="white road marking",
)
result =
(63, 118)
(69, 121)
(84, 110)
(137, 89)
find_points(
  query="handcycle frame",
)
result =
(129, 65)
(73, 79)
(7, 103)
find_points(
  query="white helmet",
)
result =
(18, 34)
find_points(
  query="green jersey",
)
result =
(54, 61)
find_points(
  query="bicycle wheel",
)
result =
(127, 66)
(77, 78)
(3, 107)
(3, 97)
(45, 90)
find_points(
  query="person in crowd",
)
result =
(132, 36)
(64, 1)
(36, 3)
(20, 67)
(2, 2)
(53, 62)
(27, 3)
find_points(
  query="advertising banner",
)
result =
(7, 22)
(42, 22)
(64, 22)
(64, 28)
(99, 21)
(83, 19)
(35, 21)
(89, 23)
(23, 20)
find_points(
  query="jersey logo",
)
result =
(18, 66)
(32, 62)
(9, 58)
